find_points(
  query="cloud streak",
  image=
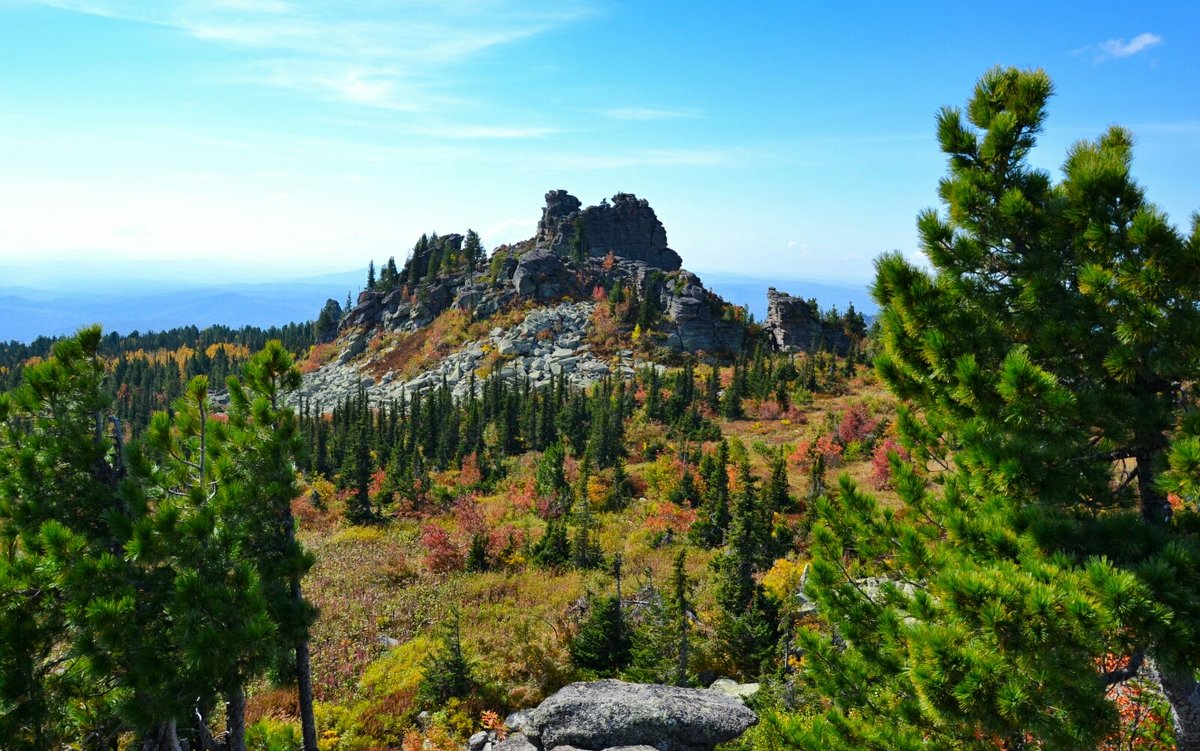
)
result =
(1115, 49)
(650, 113)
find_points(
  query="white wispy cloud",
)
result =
(648, 157)
(650, 113)
(489, 131)
(385, 55)
(1112, 49)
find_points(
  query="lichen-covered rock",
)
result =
(730, 687)
(606, 714)
(792, 325)
(627, 227)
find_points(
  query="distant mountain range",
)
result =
(126, 305)
(27, 313)
(751, 292)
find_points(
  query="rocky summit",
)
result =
(550, 282)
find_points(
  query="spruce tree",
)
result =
(553, 548)
(662, 646)
(473, 248)
(777, 496)
(748, 622)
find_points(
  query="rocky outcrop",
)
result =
(612, 714)
(627, 228)
(407, 309)
(792, 325)
(549, 342)
(694, 317)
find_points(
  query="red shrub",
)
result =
(441, 552)
(468, 516)
(857, 425)
(881, 468)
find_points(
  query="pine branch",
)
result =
(1129, 670)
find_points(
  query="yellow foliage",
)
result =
(400, 669)
(326, 491)
(597, 491)
(232, 351)
(389, 688)
(359, 534)
(783, 580)
(661, 476)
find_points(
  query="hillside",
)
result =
(489, 438)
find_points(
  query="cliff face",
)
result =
(792, 325)
(627, 228)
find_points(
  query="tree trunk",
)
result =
(203, 733)
(304, 691)
(1183, 693)
(235, 719)
(161, 738)
(1155, 508)
(308, 721)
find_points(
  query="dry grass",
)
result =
(409, 354)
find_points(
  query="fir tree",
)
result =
(712, 388)
(477, 554)
(357, 474)
(473, 249)
(602, 644)
(621, 492)
(731, 402)
(709, 528)
(447, 673)
(777, 496)
(577, 246)
(747, 628)
(662, 642)
(553, 548)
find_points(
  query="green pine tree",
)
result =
(1053, 338)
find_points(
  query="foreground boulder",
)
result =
(611, 714)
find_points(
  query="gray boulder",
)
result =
(605, 714)
(730, 687)
(692, 322)
(515, 742)
(541, 274)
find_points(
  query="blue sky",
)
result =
(781, 139)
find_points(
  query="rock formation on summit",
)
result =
(793, 325)
(627, 227)
(553, 275)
